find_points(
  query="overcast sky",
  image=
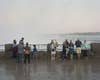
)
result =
(28, 17)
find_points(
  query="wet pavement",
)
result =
(88, 69)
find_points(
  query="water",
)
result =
(44, 39)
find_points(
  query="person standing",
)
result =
(27, 53)
(53, 50)
(78, 44)
(55, 44)
(22, 40)
(71, 49)
(14, 49)
(48, 48)
(20, 51)
(65, 49)
(34, 52)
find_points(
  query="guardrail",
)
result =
(43, 47)
(40, 47)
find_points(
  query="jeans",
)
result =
(26, 58)
(19, 57)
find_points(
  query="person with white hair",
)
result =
(53, 46)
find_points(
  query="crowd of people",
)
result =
(78, 48)
(23, 52)
(69, 49)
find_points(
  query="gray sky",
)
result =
(28, 17)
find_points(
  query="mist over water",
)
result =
(46, 38)
(25, 18)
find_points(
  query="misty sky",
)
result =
(28, 17)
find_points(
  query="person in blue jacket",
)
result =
(34, 51)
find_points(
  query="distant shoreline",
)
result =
(86, 33)
(60, 37)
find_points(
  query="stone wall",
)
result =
(95, 47)
(8, 51)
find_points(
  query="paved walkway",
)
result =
(51, 70)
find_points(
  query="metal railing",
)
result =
(40, 47)
(43, 47)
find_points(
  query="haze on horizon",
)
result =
(28, 17)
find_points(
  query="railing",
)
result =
(43, 47)
(40, 47)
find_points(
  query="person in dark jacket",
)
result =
(48, 48)
(34, 52)
(71, 49)
(65, 49)
(78, 44)
(14, 49)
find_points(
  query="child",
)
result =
(34, 52)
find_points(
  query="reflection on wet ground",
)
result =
(51, 70)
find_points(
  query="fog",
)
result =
(29, 18)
